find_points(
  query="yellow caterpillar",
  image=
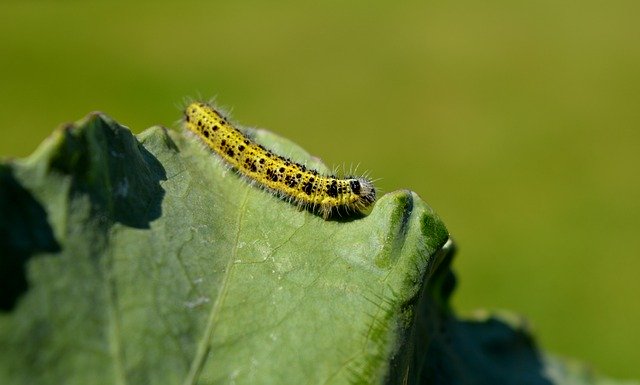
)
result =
(324, 194)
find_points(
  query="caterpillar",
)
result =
(325, 195)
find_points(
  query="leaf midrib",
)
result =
(205, 343)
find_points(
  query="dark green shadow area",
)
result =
(448, 350)
(24, 230)
(107, 163)
(99, 159)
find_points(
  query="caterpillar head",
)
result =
(365, 190)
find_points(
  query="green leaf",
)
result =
(172, 269)
(145, 260)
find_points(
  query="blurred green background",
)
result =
(517, 121)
